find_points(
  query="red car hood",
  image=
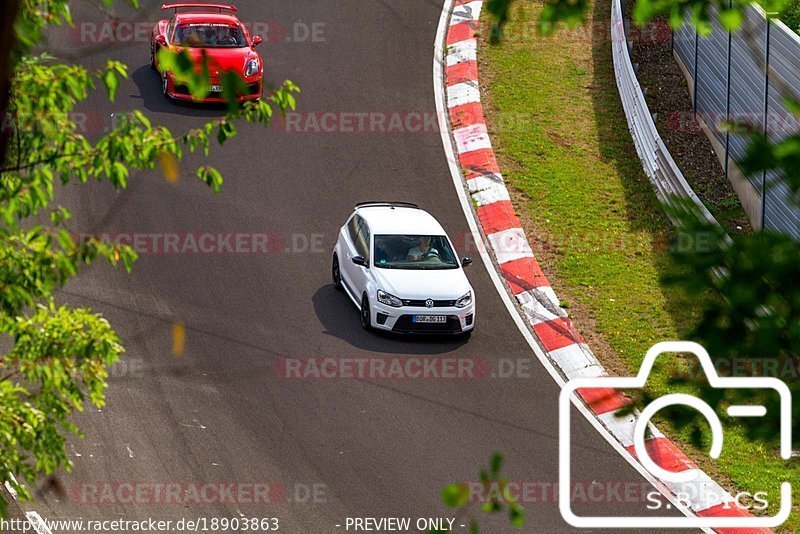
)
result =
(223, 59)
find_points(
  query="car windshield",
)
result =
(413, 252)
(210, 36)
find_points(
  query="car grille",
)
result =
(436, 303)
(406, 326)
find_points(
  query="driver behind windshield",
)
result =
(207, 35)
(422, 250)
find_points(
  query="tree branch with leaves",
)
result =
(59, 355)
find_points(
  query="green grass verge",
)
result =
(563, 143)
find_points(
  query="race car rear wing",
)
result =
(196, 6)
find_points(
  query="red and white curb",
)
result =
(515, 270)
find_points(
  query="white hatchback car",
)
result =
(399, 268)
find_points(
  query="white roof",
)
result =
(397, 220)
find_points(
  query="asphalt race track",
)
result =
(329, 449)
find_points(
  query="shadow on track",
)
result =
(339, 317)
(149, 84)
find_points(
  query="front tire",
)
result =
(336, 274)
(165, 86)
(152, 56)
(366, 316)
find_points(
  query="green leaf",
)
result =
(496, 464)
(491, 507)
(516, 515)
(211, 177)
(111, 81)
(731, 19)
(455, 495)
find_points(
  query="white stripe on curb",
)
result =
(472, 137)
(37, 522)
(486, 181)
(460, 94)
(466, 12)
(541, 305)
(703, 491)
(573, 358)
(535, 311)
(510, 245)
(462, 51)
(11, 490)
(490, 195)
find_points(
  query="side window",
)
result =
(170, 29)
(352, 229)
(362, 241)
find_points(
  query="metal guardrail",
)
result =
(658, 164)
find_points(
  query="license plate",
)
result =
(429, 319)
(215, 89)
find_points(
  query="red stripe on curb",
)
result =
(666, 455)
(732, 511)
(603, 400)
(498, 216)
(467, 115)
(523, 275)
(461, 32)
(466, 71)
(478, 162)
(557, 333)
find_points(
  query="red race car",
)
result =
(215, 30)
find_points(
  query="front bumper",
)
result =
(180, 91)
(400, 320)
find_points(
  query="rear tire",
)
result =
(366, 316)
(336, 274)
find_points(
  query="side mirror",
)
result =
(466, 261)
(257, 40)
(359, 260)
(160, 40)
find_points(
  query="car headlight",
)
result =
(252, 68)
(389, 299)
(464, 301)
